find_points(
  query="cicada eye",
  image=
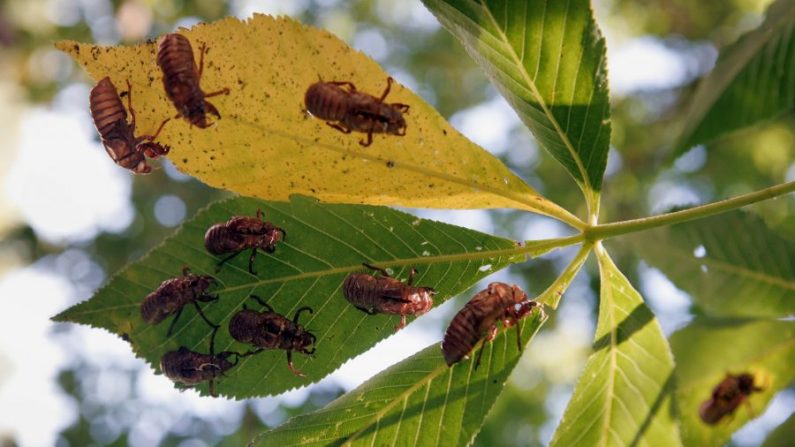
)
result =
(142, 168)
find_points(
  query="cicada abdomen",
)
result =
(478, 319)
(181, 79)
(384, 294)
(346, 109)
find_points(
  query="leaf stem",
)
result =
(529, 248)
(593, 198)
(599, 232)
(551, 296)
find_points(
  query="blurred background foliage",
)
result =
(104, 396)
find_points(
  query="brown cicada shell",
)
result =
(729, 394)
(347, 109)
(240, 233)
(387, 295)
(479, 317)
(271, 330)
(181, 79)
(192, 368)
(117, 135)
(174, 294)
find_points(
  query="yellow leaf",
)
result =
(266, 146)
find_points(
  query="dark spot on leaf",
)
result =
(444, 131)
(124, 336)
(390, 164)
(77, 49)
(184, 160)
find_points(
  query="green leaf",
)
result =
(419, 401)
(753, 80)
(783, 435)
(324, 244)
(548, 60)
(707, 350)
(731, 264)
(266, 146)
(624, 395)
